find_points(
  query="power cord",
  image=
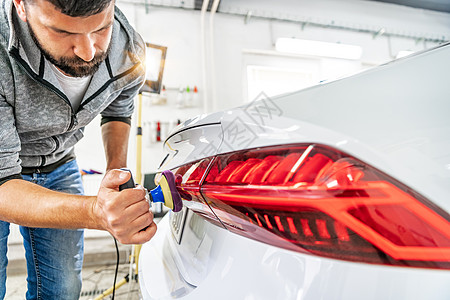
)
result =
(117, 269)
(127, 185)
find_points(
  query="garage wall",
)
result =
(179, 29)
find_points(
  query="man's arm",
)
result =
(124, 214)
(115, 136)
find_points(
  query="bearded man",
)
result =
(63, 62)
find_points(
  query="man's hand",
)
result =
(126, 213)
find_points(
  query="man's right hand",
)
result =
(123, 213)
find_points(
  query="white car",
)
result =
(338, 191)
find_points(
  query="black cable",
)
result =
(117, 269)
(127, 185)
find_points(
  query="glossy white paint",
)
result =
(239, 268)
(394, 117)
(192, 145)
(400, 111)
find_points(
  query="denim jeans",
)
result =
(54, 256)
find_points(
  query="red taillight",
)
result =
(320, 200)
(188, 179)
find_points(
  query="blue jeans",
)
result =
(54, 256)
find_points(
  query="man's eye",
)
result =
(102, 30)
(63, 32)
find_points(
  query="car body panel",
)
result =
(252, 270)
(393, 117)
(192, 144)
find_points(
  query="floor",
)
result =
(98, 271)
(95, 281)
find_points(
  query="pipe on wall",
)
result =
(204, 53)
(212, 59)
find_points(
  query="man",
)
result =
(62, 62)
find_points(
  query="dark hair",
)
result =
(78, 8)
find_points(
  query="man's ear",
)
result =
(20, 8)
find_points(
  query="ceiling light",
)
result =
(317, 48)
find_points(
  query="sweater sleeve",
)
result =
(123, 106)
(5, 179)
(9, 142)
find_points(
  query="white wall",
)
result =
(180, 31)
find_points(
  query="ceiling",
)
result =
(436, 5)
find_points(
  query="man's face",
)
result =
(76, 45)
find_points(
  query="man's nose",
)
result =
(84, 47)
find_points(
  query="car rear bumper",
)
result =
(234, 267)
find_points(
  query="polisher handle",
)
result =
(129, 184)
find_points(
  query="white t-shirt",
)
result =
(73, 87)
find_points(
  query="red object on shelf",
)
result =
(158, 132)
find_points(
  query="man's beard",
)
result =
(72, 66)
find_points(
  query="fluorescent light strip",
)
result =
(317, 48)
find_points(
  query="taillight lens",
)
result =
(188, 179)
(317, 199)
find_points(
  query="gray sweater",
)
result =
(38, 126)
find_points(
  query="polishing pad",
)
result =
(167, 193)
